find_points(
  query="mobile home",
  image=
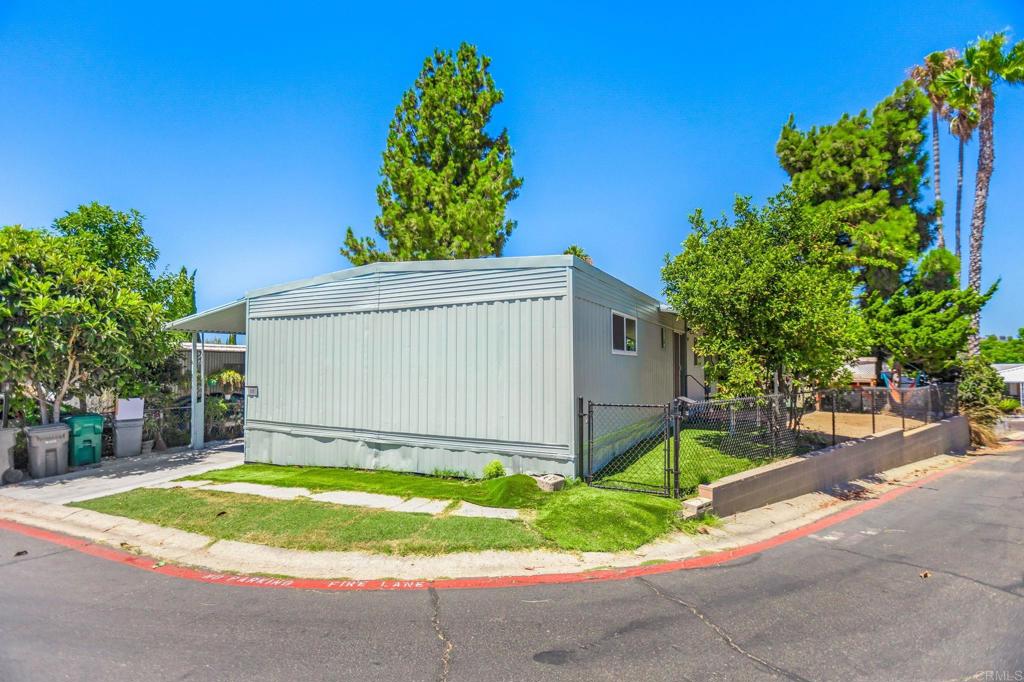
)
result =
(421, 366)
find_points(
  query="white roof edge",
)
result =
(196, 322)
(1012, 375)
(420, 266)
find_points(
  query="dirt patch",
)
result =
(854, 425)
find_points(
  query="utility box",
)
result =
(127, 437)
(47, 450)
(85, 443)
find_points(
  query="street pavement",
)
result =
(929, 585)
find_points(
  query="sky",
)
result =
(250, 134)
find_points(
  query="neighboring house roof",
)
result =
(863, 369)
(1001, 366)
(215, 347)
(1012, 374)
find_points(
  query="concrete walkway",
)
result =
(351, 498)
(114, 476)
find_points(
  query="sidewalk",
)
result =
(121, 475)
(191, 549)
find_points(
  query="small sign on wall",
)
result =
(252, 391)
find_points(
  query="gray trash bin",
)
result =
(127, 437)
(47, 450)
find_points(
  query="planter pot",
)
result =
(147, 447)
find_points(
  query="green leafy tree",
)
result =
(77, 327)
(985, 63)
(117, 240)
(867, 171)
(769, 296)
(926, 324)
(927, 75)
(1005, 351)
(579, 252)
(446, 180)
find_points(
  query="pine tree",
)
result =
(446, 181)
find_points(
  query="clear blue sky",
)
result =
(250, 135)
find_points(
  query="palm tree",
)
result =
(577, 250)
(985, 63)
(927, 77)
(963, 120)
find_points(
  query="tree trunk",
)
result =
(986, 164)
(44, 413)
(940, 237)
(959, 193)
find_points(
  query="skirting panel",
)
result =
(276, 447)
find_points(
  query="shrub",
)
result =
(450, 473)
(980, 384)
(1009, 405)
(494, 469)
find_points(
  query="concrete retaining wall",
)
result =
(832, 466)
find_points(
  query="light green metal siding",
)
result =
(602, 376)
(414, 371)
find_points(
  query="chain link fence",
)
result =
(832, 416)
(673, 448)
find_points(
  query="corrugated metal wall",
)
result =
(600, 375)
(414, 371)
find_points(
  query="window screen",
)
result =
(623, 333)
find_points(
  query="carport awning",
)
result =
(226, 319)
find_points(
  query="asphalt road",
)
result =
(850, 603)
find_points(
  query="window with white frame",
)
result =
(623, 334)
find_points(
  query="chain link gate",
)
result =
(669, 449)
(630, 447)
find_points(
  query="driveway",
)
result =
(927, 586)
(120, 475)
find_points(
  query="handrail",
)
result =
(707, 391)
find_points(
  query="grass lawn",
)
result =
(704, 456)
(509, 491)
(577, 518)
(318, 526)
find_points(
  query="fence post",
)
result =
(590, 441)
(580, 416)
(873, 392)
(678, 423)
(833, 417)
(903, 409)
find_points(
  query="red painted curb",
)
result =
(175, 571)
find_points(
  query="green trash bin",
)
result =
(86, 439)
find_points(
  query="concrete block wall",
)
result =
(823, 469)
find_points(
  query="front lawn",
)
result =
(508, 491)
(577, 518)
(317, 526)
